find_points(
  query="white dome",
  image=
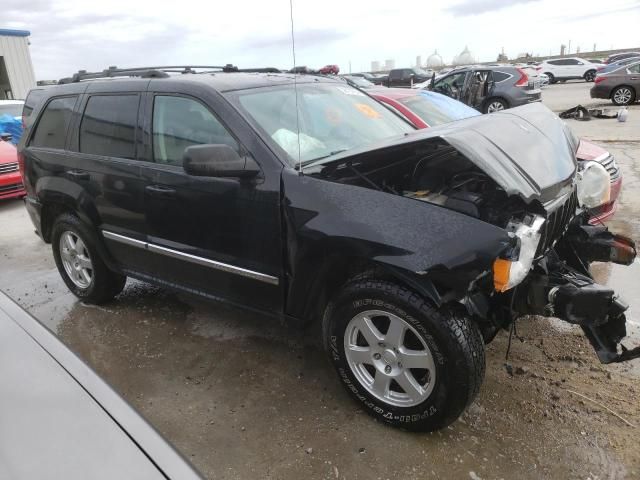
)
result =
(434, 60)
(465, 58)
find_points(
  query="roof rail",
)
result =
(144, 72)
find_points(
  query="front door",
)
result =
(215, 236)
(452, 85)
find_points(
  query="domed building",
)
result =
(465, 58)
(435, 61)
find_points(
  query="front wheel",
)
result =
(406, 362)
(552, 79)
(623, 96)
(79, 263)
(590, 76)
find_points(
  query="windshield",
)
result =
(436, 109)
(359, 81)
(15, 109)
(332, 118)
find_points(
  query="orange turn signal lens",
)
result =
(501, 269)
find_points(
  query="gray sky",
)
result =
(67, 35)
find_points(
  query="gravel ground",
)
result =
(244, 396)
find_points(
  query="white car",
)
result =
(11, 107)
(568, 69)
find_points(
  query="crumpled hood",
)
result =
(527, 150)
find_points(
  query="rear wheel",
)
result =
(495, 105)
(590, 76)
(79, 262)
(623, 95)
(406, 362)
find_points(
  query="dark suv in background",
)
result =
(489, 89)
(411, 249)
(405, 77)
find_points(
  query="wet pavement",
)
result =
(244, 396)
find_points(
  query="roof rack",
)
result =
(159, 72)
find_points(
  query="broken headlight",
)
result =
(594, 185)
(509, 272)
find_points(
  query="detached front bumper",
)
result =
(556, 288)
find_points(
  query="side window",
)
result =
(51, 130)
(500, 76)
(180, 122)
(395, 74)
(109, 125)
(553, 62)
(634, 68)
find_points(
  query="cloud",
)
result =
(478, 7)
(600, 13)
(303, 39)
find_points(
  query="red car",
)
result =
(330, 70)
(10, 178)
(426, 109)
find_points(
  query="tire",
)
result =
(552, 79)
(451, 355)
(590, 76)
(494, 104)
(623, 95)
(79, 263)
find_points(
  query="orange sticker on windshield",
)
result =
(367, 110)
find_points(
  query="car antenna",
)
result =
(295, 86)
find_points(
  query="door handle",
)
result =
(78, 174)
(160, 191)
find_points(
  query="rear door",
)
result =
(216, 236)
(105, 145)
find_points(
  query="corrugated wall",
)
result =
(17, 60)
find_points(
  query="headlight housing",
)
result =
(509, 272)
(594, 185)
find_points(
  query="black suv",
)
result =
(410, 248)
(406, 77)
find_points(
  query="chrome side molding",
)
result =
(206, 262)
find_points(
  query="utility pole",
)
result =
(349, 66)
(569, 49)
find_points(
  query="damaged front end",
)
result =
(560, 285)
(490, 212)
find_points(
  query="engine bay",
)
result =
(435, 173)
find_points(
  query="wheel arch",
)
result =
(332, 272)
(56, 203)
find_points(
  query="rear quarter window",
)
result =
(51, 130)
(32, 100)
(500, 76)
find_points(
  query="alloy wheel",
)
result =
(622, 96)
(389, 358)
(495, 107)
(76, 259)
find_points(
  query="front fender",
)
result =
(324, 219)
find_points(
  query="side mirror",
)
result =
(6, 137)
(218, 160)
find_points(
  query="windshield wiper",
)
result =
(315, 160)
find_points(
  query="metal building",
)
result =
(16, 69)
